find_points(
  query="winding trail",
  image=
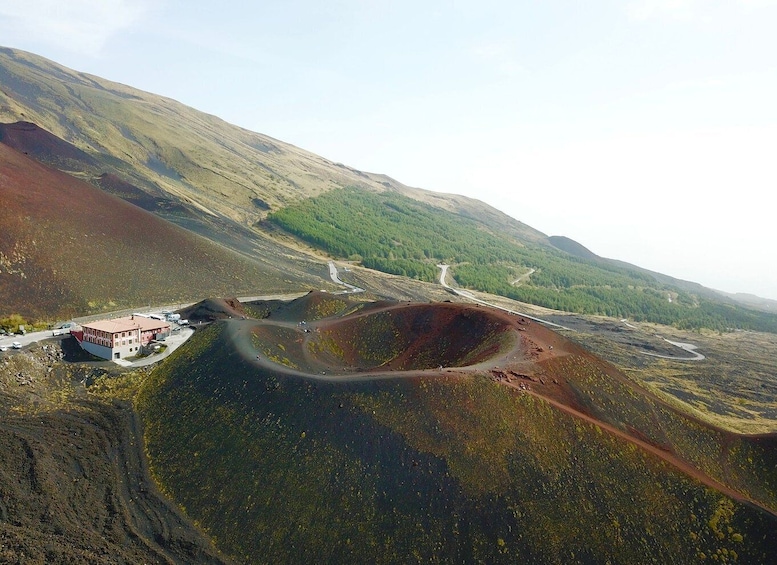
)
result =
(690, 348)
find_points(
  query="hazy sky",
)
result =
(644, 129)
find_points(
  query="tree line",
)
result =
(395, 234)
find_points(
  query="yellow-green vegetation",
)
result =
(14, 322)
(117, 387)
(271, 345)
(326, 344)
(434, 469)
(475, 456)
(326, 308)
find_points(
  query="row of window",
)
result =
(106, 335)
(109, 343)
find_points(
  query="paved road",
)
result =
(336, 279)
(469, 296)
(25, 340)
(173, 342)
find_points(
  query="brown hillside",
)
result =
(67, 247)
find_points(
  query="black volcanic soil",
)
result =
(214, 309)
(44, 146)
(74, 489)
(382, 415)
(74, 483)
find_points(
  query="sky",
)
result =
(645, 130)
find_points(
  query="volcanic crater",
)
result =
(319, 429)
(384, 337)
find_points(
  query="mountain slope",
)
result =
(68, 248)
(223, 182)
(152, 140)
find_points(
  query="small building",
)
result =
(121, 337)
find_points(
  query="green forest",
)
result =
(398, 235)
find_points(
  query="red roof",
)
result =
(128, 323)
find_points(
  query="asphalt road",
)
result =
(25, 340)
(336, 279)
(172, 342)
(469, 296)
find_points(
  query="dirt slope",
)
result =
(74, 484)
(67, 247)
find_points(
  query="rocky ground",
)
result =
(74, 485)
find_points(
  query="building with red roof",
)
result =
(121, 337)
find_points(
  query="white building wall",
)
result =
(126, 346)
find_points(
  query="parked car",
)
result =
(16, 345)
(64, 328)
(3, 348)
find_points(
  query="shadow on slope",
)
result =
(69, 248)
(31, 140)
